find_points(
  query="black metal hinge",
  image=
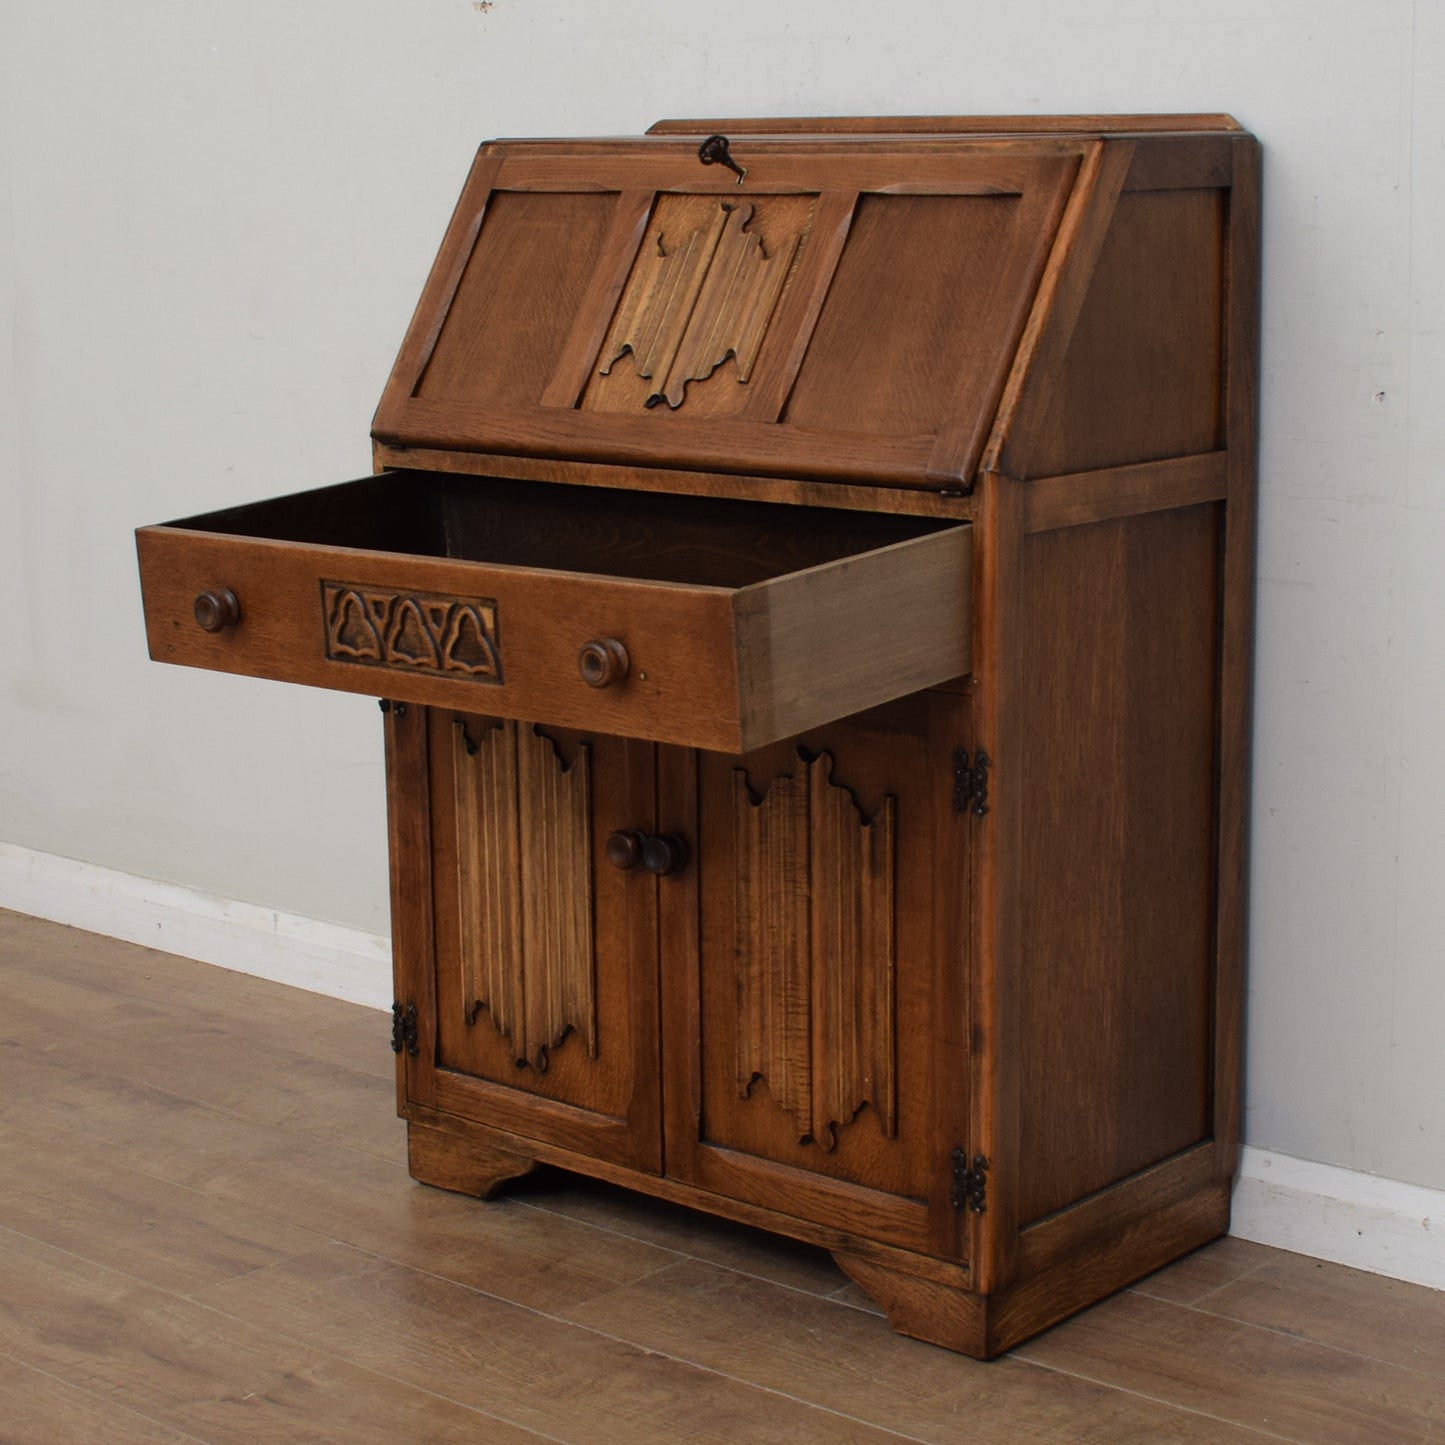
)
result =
(403, 1028)
(970, 781)
(970, 1182)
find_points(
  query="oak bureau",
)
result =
(808, 575)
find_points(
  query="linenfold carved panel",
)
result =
(814, 897)
(524, 854)
(704, 288)
(412, 631)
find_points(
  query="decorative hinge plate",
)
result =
(403, 1028)
(970, 781)
(970, 1182)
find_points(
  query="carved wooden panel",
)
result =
(814, 898)
(524, 878)
(412, 631)
(705, 286)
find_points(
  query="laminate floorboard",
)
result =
(207, 1233)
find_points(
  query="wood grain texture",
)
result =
(715, 601)
(442, 281)
(408, 832)
(842, 637)
(1238, 1330)
(535, 923)
(947, 124)
(1118, 779)
(816, 939)
(1140, 377)
(1237, 642)
(618, 253)
(197, 1369)
(997, 1042)
(925, 261)
(704, 288)
(493, 1356)
(1116, 492)
(823, 966)
(1085, 222)
(678, 481)
(985, 1325)
(751, 1328)
(517, 299)
(1240, 1373)
(524, 891)
(455, 1160)
(41, 1410)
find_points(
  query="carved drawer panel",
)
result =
(711, 623)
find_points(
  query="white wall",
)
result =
(215, 218)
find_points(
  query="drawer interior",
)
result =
(697, 541)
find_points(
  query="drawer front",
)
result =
(705, 666)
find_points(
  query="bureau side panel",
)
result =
(1119, 645)
(1140, 378)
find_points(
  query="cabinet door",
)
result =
(545, 972)
(815, 1021)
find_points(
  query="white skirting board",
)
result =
(1361, 1220)
(284, 947)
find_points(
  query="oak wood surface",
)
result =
(1139, 378)
(1116, 492)
(1237, 640)
(1085, 222)
(996, 1036)
(548, 925)
(822, 1053)
(517, 299)
(679, 481)
(948, 124)
(900, 229)
(1120, 632)
(714, 601)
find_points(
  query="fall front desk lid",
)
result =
(815, 306)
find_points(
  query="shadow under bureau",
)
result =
(808, 579)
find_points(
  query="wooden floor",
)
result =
(207, 1232)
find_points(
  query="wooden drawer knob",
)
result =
(663, 854)
(602, 662)
(624, 848)
(217, 610)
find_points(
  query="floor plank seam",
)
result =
(310, 1346)
(1298, 1337)
(701, 1259)
(1158, 1400)
(661, 1354)
(679, 1254)
(1208, 1294)
(263, 1213)
(106, 1077)
(106, 1400)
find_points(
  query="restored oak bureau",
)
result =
(808, 575)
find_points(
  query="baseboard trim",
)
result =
(326, 958)
(1379, 1225)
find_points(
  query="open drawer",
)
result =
(701, 621)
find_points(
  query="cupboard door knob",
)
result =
(624, 848)
(602, 662)
(217, 609)
(666, 853)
